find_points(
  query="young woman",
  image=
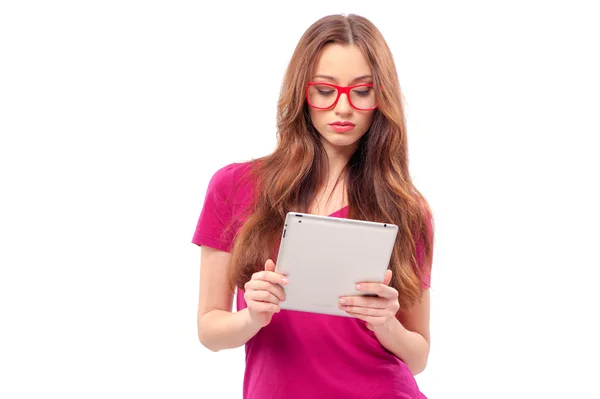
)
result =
(342, 152)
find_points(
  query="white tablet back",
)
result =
(324, 257)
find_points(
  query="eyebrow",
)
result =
(352, 81)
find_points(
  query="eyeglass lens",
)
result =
(324, 96)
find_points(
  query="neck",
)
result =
(333, 188)
(337, 159)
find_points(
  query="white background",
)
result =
(115, 114)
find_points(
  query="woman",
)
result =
(342, 152)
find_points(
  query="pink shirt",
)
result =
(301, 355)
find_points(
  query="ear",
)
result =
(388, 277)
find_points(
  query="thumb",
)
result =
(388, 277)
(270, 266)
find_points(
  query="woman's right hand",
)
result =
(263, 293)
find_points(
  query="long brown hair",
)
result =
(377, 176)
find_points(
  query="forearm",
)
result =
(408, 346)
(219, 329)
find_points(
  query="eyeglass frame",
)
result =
(340, 90)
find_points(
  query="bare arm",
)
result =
(408, 338)
(404, 333)
(218, 327)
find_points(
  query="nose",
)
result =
(343, 106)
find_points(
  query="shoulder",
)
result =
(227, 177)
(228, 174)
(232, 183)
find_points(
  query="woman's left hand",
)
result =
(375, 311)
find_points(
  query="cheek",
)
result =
(316, 117)
(366, 120)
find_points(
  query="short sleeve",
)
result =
(214, 224)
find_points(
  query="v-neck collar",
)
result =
(339, 211)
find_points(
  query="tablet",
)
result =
(324, 257)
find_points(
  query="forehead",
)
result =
(343, 62)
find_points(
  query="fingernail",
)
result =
(284, 280)
(343, 301)
(358, 286)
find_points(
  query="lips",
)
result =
(342, 123)
(342, 126)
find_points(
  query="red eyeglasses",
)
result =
(321, 95)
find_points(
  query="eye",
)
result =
(325, 91)
(363, 91)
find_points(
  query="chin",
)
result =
(342, 141)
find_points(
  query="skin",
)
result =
(404, 332)
(344, 66)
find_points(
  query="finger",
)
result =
(364, 301)
(270, 276)
(388, 277)
(275, 289)
(357, 310)
(261, 296)
(380, 289)
(269, 265)
(261, 285)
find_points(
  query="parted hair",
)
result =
(379, 186)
